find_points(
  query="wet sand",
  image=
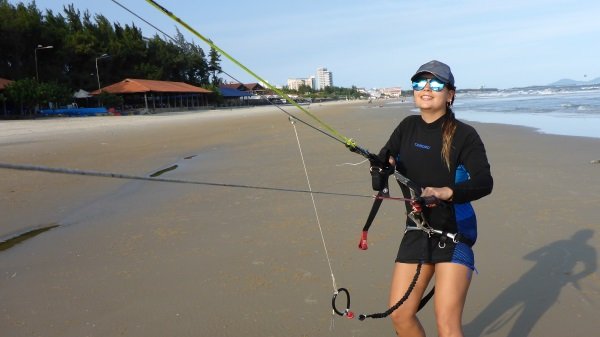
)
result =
(137, 258)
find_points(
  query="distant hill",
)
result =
(565, 82)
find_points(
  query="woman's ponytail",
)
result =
(448, 129)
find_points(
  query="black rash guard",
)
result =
(417, 146)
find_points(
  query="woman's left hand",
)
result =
(442, 193)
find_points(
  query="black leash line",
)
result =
(114, 175)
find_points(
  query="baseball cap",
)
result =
(437, 69)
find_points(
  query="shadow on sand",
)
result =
(525, 301)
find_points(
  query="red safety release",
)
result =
(363, 241)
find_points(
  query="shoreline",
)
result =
(10, 128)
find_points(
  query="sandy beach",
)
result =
(140, 258)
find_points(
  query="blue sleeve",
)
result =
(474, 159)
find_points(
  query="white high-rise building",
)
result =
(325, 78)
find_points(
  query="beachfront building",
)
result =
(144, 96)
(295, 83)
(233, 96)
(324, 78)
(393, 92)
(256, 88)
(252, 88)
(236, 86)
(257, 93)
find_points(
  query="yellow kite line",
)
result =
(347, 141)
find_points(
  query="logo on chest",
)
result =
(422, 146)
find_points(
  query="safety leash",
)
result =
(380, 173)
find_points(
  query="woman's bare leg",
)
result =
(404, 318)
(452, 282)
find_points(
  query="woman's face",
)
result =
(430, 100)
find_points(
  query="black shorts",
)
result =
(417, 246)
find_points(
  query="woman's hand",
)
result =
(442, 193)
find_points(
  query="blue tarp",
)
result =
(230, 92)
(73, 112)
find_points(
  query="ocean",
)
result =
(571, 111)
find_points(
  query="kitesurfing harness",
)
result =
(380, 173)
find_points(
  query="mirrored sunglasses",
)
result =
(434, 84)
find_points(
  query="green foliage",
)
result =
(78, 39)
(25, 94)
(213, 66)
(329, 93)
(28, 94)
(305, 90)
(54, 93)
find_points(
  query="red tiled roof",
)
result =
(238, 86)
(243, 86)
(131, 86)
(253, 86)
(4, 82)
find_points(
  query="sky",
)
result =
(377, 44)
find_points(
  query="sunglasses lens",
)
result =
(419, 85)
(434, 84)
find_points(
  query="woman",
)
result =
(447, 159)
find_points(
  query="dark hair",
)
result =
(448, 129)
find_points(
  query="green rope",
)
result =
(350, 143)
